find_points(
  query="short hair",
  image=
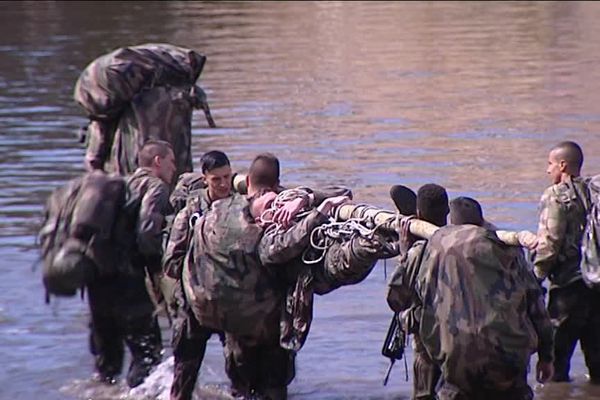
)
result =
(151, 149)
(571, 153)
(264, 171)
(213, 160)
(432, 203)
(465, 210)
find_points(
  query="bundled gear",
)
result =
(135, 94)
(76, 238)
(590, 242)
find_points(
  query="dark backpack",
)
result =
(77, 239)
(590, 242)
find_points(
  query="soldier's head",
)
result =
(564, 160)
(259, 202)
(465, 210)
(432, 204)
(216, 170)
(263, 173)
(157, 155)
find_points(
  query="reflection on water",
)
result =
(468, 95)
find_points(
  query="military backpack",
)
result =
(590, 242)
(77, 237)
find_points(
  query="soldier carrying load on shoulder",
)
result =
(483, 312)
(432, 206)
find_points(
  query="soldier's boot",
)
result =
(274, 393)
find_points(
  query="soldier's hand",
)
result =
(544, 371)
(286, 214)
(331, 203)
(528, 239)
(406, 238)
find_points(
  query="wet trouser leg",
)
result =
(519, 391)
(426, 373)
(106, 336)
(263, 369)
(189, 347)
(590, 336)
(143, 338)
(568, 310)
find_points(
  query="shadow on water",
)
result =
(469, 95)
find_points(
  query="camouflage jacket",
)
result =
(560, 230)
(224, 281)
(483, 311)
(181, 231)
(402, 295)
(152, 197)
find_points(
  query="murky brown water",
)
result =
(468, 95)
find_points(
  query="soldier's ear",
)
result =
(563, 166)
(156, 160)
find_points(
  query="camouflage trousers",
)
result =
(426, 373)
(189, 347)
(259, 371)
(574, 313)
(520, 391)
(122, 313)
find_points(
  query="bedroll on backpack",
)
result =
(590, 243)
(76, 238)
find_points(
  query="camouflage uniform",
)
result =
(483, 314)
(402, 297)
(346, 262)
(138, 93)
(189, 337)
(121, 308)
(229, 290)
(572, 305)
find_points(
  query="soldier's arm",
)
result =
(281, 247)
(536, 309)
(99, 137)
(154, 208)
(551, 233)
(177, 244)
(401, 293)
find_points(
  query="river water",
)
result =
(467, 95)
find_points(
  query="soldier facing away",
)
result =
(432, 206)
(121, 307)
(483, 313)
(572, 306)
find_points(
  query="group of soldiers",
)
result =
(244, 266)
(245, 261)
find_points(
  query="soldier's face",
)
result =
(167, 167)
(555, 167)
(218, 181)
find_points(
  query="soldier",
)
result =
(573, 306)
(483, 313)
(121, 308)
(190, 337)
(432, 206)
(199, 192)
